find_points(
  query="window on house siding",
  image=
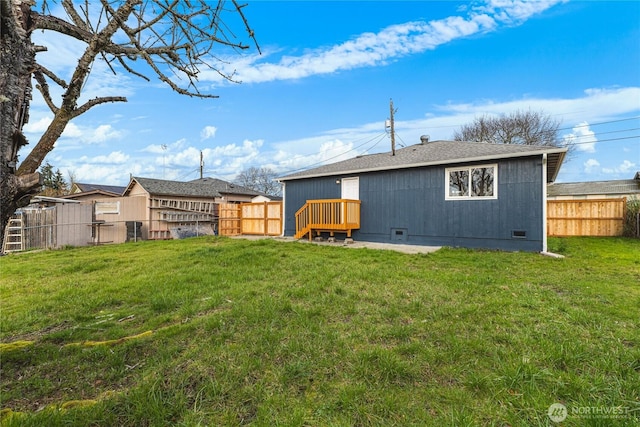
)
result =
(474, 182)
(107, 208)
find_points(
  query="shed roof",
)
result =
(85, 188)
(621, 187)
(205, 187)
(224, 187)
(436, 153)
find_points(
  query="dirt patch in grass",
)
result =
(37, 335)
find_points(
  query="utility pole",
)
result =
(201, 165)
(393, 134)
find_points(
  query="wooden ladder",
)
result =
(13, 236)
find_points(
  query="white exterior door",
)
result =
(351, 188)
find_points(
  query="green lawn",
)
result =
(218, 331)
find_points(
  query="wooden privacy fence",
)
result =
(263, 218)
(601, 217)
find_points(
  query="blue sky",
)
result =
(320, 91)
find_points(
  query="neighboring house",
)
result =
(595, 189)
(266, 198)
(174, 204)
(478, 195)
(89, 192)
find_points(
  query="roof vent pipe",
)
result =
(424, 139)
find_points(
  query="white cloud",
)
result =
(89, 135)
(514, 12)
(103, 133)
(591, 165)
(38, 126)
(595, 105)
(208, 132)
(115, 157)
(374, 49)
(74, 135)
(187, 157)
(222, 161)
(583, 138)
(329, 151)
(625, 167)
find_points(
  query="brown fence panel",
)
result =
(40, 231)
(229, 219)
(601, 217)
(73, 224)
(274, 218)
(262, 218)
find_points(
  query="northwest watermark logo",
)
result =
(558, 412)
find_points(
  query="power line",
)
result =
(379, 138)
(604, 140)
(611, 131)
(601, 123)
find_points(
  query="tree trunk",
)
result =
(17, 60)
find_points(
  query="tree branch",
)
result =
(96, 101)
(49, 22)
(52, 76)
(246, 24)
(75, 17)
(43, 87)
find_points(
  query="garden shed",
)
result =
(452, 193)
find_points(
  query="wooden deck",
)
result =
(327, 215)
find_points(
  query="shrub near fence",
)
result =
(632, 218)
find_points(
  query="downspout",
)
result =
(544, 203)
(284, 207)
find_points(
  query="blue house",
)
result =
(444, 193)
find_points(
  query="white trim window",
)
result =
(107, 208)
(472, 182)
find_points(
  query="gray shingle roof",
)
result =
(224, 187)
(435, 153)
(85, 188)
(621, 187)
(205, 187)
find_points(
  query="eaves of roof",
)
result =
(434, 154)
(90, 193)
(621, 187)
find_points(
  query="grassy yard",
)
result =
(217, 331)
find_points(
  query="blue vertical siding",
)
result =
(414, 200)
(298, 192)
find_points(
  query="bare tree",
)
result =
(520, 127)
(260, 179)
(172, 40)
